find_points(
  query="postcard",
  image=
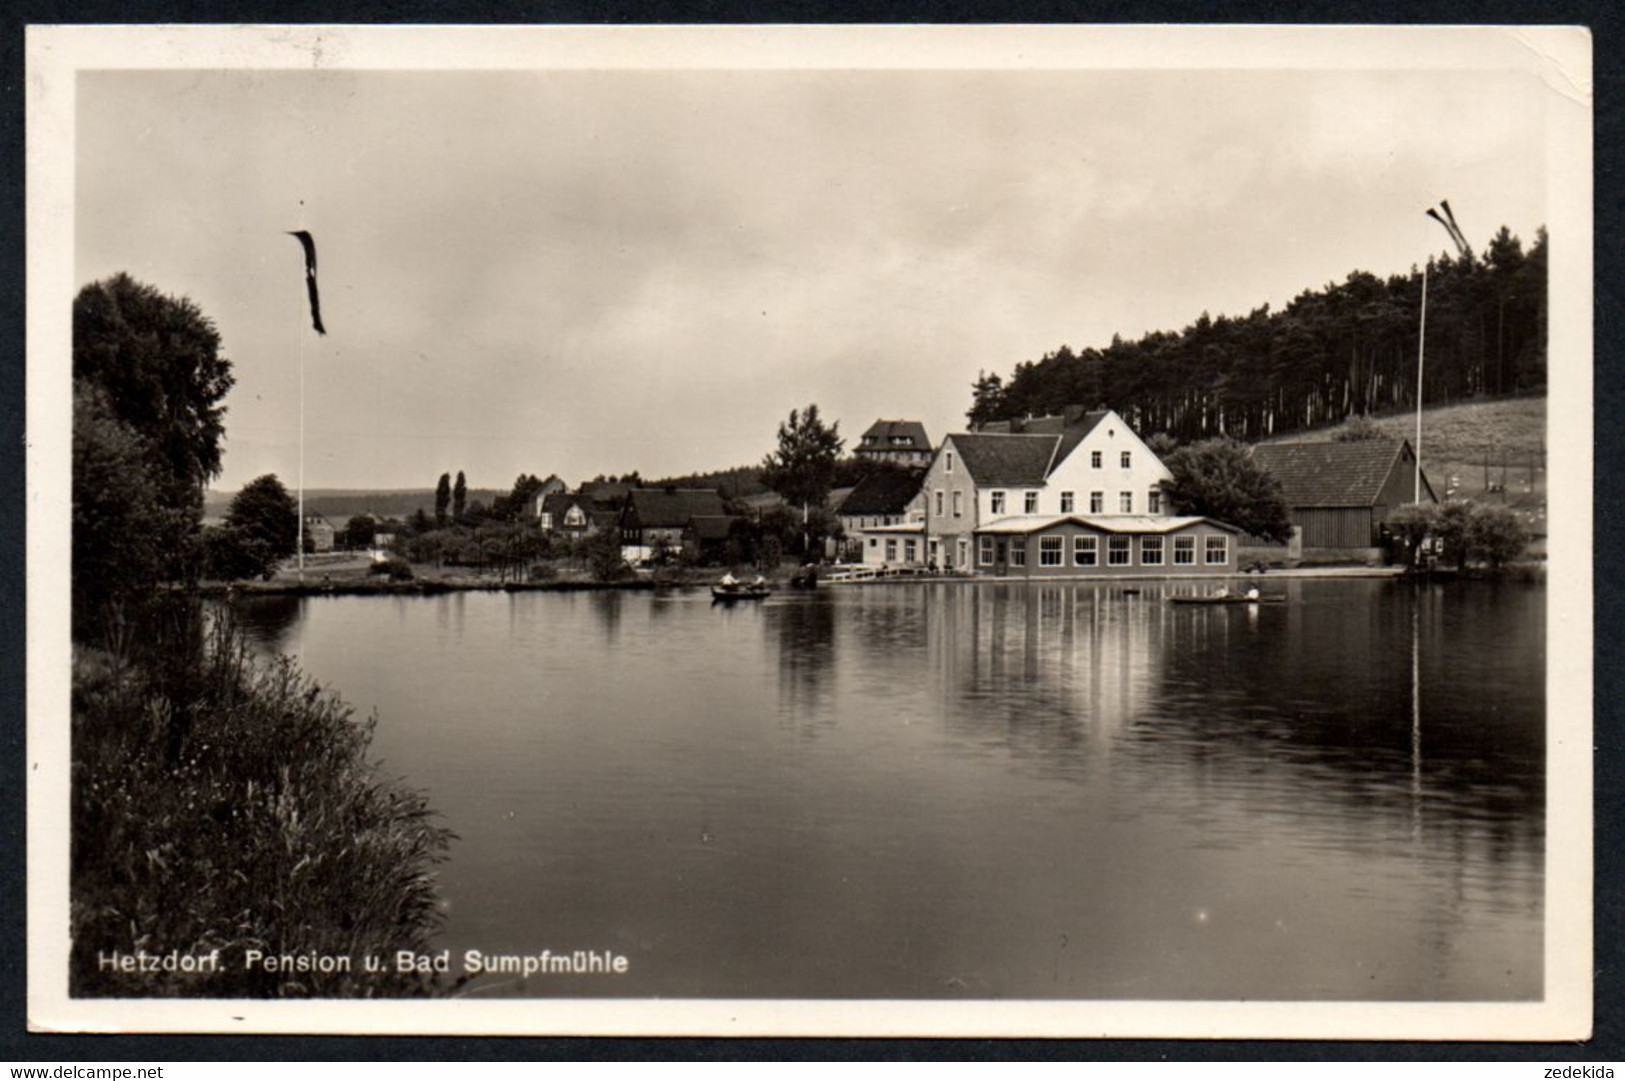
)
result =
(872, 531)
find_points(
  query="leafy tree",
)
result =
(1217, 478)
(803, 467)
(148, 420)
(442, 498)
(1496, 534)
(120, 523)
(1453, 525)
(358, 532)
(603, 552)
(263, 524)
(459, 497)
(1411, 524)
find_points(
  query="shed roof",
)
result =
(711, 526)
(1331, 474)
(671, 508)
(1006, 459)
(1023, 524)
(886, 492)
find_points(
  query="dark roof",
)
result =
(1331, 474)
(603, 494)
(711, 526)
(671, 508)
(885, 492)
(1073, 427)
(557, 503)
(1006, 459)
(882, 432)
(1076, 431)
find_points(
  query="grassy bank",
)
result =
(223, 806)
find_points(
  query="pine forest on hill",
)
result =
(1348, 348)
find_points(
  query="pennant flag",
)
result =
(310, 279)
(1461, 238)
(1462, 247)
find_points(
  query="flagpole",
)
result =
(301, 533)
(1421, 342)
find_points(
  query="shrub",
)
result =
(242, 813)
(1496, 535)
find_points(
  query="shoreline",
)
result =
(437, 587)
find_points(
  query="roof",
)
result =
(671, 508)
(1331, 474)
(882, 433)
(1078, 430)
(711, 526)
(886, 492)
(1006, 459)
(900, 527)
(1023, 524)
(558, 503)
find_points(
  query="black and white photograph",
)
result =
(1047, 531)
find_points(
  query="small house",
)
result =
(319, 534)
(883, 498)
(901, 441)
(656, 518)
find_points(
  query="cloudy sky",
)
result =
(599, 271)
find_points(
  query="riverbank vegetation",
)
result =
(218, 803)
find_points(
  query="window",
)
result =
(1125, 459)
(1085, 550)
(1151, 551)
(1030, 504)
(986, 551)
(948, 462)
(959, 504)
(1153, 501)
(874, 542)
(962, 550)
(1117, 551)
(939, 502)
(1049, 551)
(998, 503)
(1097, 502)
(891, 550)
(911, 550)
(1018, 551)
(573, 516)
(1184, 550)
(1125, 502)
(1066, 503)
(1217, 547)
(547, 519)
(1094, 459)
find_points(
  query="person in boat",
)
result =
(1252, 594)
(758, 582)
(728, 580)
(1223, 592)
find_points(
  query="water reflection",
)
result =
(267, 620)
(978, 789)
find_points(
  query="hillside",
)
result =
(1493, 449)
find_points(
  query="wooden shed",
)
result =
(1340, 494)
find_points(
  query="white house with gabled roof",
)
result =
(1085, 464)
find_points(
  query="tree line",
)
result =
(1349, 348)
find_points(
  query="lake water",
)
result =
(986, 790)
